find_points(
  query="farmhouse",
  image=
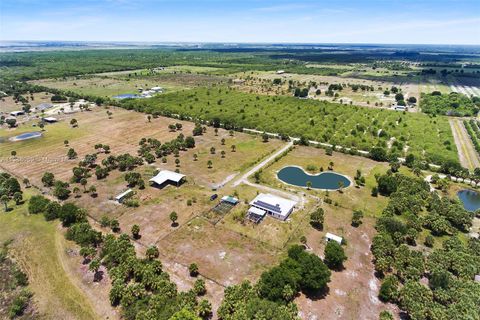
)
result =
(165, 176)
(331, 237)
(280, 71)
(122, 196)
(17, 113)
(277, 207)
(50, 119)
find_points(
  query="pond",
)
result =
(26, 136)
(325, 180)
(126, 96)
(470, 199)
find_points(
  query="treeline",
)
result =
(436, 282)
(473, 132)
(453, 104)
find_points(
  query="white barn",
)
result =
(167, 176)
(275, 206)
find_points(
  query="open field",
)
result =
(34, 157)
(261, 82)
(128, 82)
(40, 249)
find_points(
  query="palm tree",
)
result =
(330, 165)
(173, 218)
(233, 147)
(195, 157)
(222, 153)
(309, 185)
(340, 186)
(209, 164)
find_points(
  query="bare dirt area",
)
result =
(353, 291)
(221, 254)
(466, 152)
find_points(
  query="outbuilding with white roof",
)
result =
(332, 237)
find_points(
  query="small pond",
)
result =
(324, 180)
(127, 96)
(470, 199)
(26, 136)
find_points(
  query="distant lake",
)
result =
(325, 180)
(470, 199)
(126, 96)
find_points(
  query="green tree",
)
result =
(17, 197)
(389, 289)
(135, 231)
(4, 199)
(114, 225)
(357, 218)
(193, 269)
(152, 253)
(317, 218)
(173, 218)
(199, 287)
(334, 255)
(48, 179)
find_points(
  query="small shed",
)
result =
(124, 195)
(229, 199)
(256, 214)
(50, 119)
(331, 237)
(17, 113)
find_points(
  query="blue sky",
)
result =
(338, 21)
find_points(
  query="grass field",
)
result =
(36, 248)
(190, 200)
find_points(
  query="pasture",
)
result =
(122, 133)
(42, 252)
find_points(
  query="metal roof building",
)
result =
(165, 176)
(330, 236)
(123, 195)
(275, 206)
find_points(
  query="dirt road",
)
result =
(466, 152)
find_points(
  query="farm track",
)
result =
(466, 152)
